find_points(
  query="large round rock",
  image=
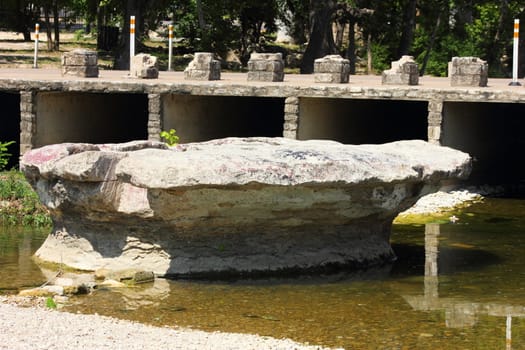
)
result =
(231, 205)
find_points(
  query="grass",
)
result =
(19, 203)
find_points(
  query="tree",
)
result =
(321, 40)
(19, 16)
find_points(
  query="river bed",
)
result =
(455, 285)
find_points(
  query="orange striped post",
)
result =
(131, 38)
(508, 333)
(170, 45)
(514, 81)
(37, 34)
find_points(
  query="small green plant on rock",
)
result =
(170, 137)
(4, 154)
(50, 303)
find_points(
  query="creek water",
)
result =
(455, 286)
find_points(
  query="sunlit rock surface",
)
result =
(231, 205)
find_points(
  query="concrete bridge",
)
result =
(41, 107)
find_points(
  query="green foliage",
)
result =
(170, 137)
(4, 154)
(79, 35)
(50, 303)
(380, 57)
(19, 204)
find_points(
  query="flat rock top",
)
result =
(240, 161)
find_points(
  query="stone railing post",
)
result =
(435, 120)
(154, 116)
(291, 117)
(27, 120)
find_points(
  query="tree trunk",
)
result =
(339, 34)
(369, 54)
(350, 52)
(409, 25)
(200, 15)
(56, 25)
(48, 28)
(430, 45)
(321, 41)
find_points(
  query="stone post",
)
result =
(27, 120)
(266, 67)
(154, 116)
(331, 69)
(403, 72)
(468, 71)
(435, 120)
(144, 66)
(203, 67)
(291, 117)
(80, 63)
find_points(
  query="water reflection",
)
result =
(458, 314)
(454, 287)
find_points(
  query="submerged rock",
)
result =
(231, 205)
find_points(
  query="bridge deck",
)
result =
(236, 84)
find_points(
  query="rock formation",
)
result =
(231, 205)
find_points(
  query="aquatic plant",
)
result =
(170, 137)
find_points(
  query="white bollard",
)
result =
(515, 62)
(170, 45)
(131, 39)
(508, 335)
(37, 33)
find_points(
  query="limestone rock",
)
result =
(468, 71)
(331, 69)
(266, 67)
(403, 72)
(231, 205)
(144, 66)
(81, 63)
(203, 67)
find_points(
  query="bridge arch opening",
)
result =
(355, 121)
(493, 133)
(90, 117)
(202, 118)
(10, 129)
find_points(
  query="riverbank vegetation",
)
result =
(19, 204)
(370, 33)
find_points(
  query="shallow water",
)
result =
(459, 295)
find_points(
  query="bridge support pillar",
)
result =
(291, 117)
(435, 120)
(154, 116)
(27, 120)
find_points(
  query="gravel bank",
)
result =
(37, 328)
